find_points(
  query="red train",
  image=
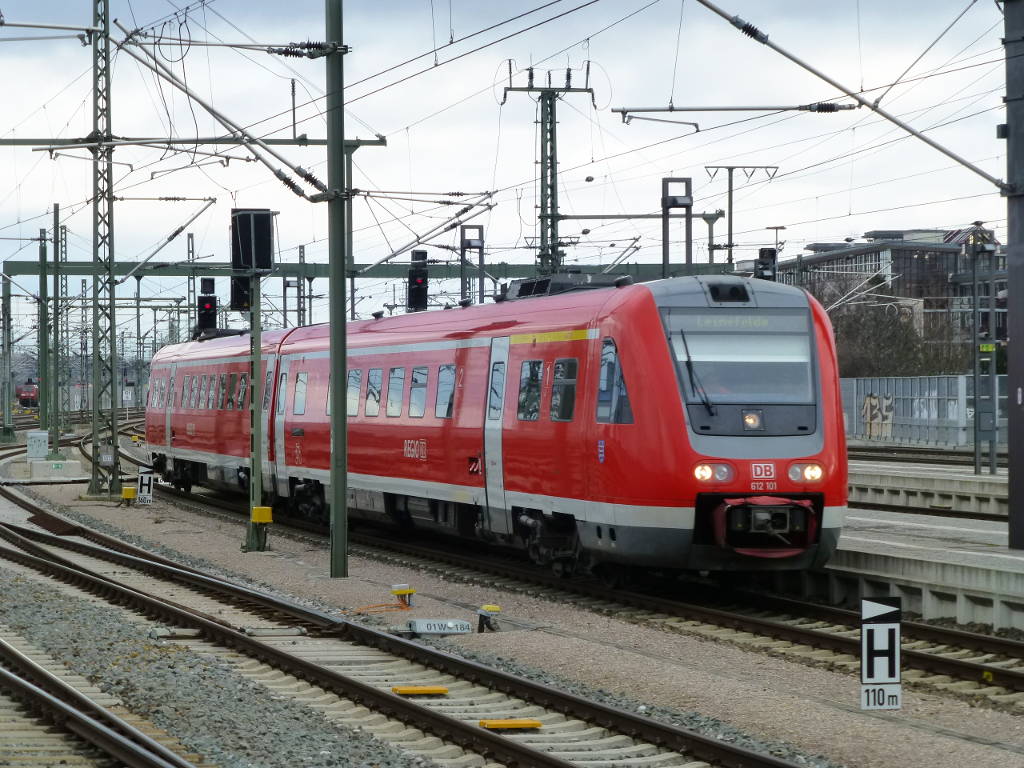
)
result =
(27, 394)
(690, 423)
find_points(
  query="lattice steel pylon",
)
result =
(64, 318)
(106, 474)
(549, 256)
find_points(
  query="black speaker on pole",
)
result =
(252, 239)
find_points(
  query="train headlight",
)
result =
(718, 473)
(806, 473)
(753, 421)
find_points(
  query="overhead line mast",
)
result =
(549, 258)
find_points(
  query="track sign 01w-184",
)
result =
(880, 653)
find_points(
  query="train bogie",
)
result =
(689, 424)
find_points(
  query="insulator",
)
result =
(824, 106)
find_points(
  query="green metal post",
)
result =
(549, 254)
(337, 223)
(43, 336)
(256, 533)
(7, 429)
(54, 388)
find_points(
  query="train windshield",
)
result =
(743, 356)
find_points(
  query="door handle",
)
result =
(298, 432)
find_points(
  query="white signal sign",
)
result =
(144, 489)
(880, 653)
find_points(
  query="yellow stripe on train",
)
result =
(543, 338)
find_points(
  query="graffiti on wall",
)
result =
(877, 414)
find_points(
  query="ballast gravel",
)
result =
(800, 713)
(232, 722)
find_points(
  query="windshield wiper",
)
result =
(695, 383)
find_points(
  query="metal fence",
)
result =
(915, 410)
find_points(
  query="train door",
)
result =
(266, 414)
(498, 518)
(169, 404)
(280, 413)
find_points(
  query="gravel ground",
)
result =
(229, 720)
(794, 710)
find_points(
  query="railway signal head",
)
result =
(206, 312)
(417, 291)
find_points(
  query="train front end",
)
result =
(766, 466)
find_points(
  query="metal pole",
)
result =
(43, 336)
(730, 170)
(349, 251)
(664, 228)
(7, 432)
(480, 276)
(1013, 44)
(256, 532)
(302, 288)
(138, 340)
(993, 336)
(55, 351)
(106, 473)
(190, 257)
(64, 312)
(284, 302)
(975, 362)
(711, 240)
(337, 221)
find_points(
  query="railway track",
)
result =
(914, 454)
(47, 720)
(340, 666)
(969, 665)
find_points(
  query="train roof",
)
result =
(566, 310)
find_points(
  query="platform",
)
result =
(928, 486)
(942, 568)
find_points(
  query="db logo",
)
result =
(762, 471)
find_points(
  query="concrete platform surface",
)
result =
(959, 569)
(928, 486)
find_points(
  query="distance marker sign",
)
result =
(880, 653)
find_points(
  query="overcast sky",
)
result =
(839, 175)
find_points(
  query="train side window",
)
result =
(232, 386)
(222, 394)
(531, 377)
(355, 383)
(185, 389)
(299, 404)
(211, 398)
(268, 390)
(374, 380)
(243, 390)
(202, 392)
(563, 389)
(612, 400)
(445, 392)
(282, 390)
(418, 392)
(170, 393)
(496, 391)
(396, 391)
(194, 393)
